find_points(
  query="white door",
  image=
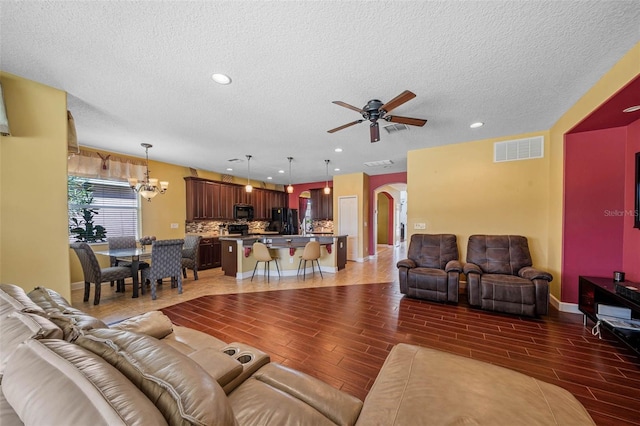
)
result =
(348, 223)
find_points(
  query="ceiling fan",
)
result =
(375, 110)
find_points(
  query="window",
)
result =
(99, 209)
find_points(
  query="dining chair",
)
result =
(311, 253)
(125, 242)
(166, 262)
(190, 255)
(93, 273)
(261, 254)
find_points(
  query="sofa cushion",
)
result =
(53, 382)
(277, 395)
(154, 324)
(71, 320)
(433, 250)
(499, 254)
(179, 387)
(14, 298)
(19, 326)
(508, 293)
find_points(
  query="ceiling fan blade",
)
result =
(406, 120)
(398, 100)
(343, 104)
(344, 126)
(375, 132)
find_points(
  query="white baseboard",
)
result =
(571, 308)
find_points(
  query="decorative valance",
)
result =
(96, 165)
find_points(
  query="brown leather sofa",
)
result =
(60, 366)
(500, 276)
(431, 270)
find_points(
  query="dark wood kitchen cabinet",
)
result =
(227, 199)
(229, 259)
(321, 205)
(209, 253)
(210, 200)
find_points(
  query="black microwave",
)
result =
(243, 212)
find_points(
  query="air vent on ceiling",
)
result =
(519, 149)
(234, 160)
(379, 163)
(396, 127)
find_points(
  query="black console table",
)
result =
(598, 290)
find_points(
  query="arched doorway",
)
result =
(389, 215)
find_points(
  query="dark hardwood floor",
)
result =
(342, 335)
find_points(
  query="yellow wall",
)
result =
(623, 72)
(458, 189)
(33, 196)
(382, 233)
(348, 185)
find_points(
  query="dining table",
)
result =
(134, 255)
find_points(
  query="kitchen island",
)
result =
(238, 260)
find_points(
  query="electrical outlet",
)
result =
(174, 226)
(291, 260)
(419, 226)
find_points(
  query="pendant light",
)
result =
(327, 190)
(248, 188)
(290, 187)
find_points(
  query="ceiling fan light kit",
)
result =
(375, 110)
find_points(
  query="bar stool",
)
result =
(261, 254)
(311, 252)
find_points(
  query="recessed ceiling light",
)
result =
(221, 78)
(476, 125)
(280, 171)
(229, 169)
(336, 169)
(338, 150)
(632, 108)
(269, 178)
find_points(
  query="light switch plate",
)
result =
(419, 226)
(174, 226)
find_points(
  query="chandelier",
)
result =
(290, 187)
(148, 188)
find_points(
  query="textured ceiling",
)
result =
(141, 72)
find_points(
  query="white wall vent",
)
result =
(378, 163)
(519, 149)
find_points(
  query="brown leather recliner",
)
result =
(500, 276)
(432, 270)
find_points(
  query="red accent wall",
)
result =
(376, 182)
(300, 187)
(631, 235)
(594, 204)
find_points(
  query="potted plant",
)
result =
(81, 215)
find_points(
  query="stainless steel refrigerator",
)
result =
(284, 221)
